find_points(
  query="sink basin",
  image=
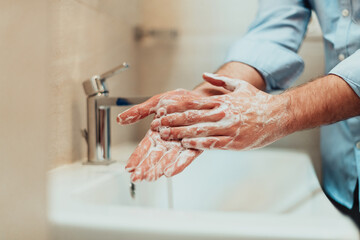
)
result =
(260, 194)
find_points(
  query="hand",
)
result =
(245, 118)
(155, 157)
(153, 105)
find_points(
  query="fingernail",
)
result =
(149, 177)
(129, 169)
(169, 172)
(211, 75)
(133, 178)
(164, 132)
(155, 124)
(159, 171)
(185, 143)
(136, 176)
(118, 119)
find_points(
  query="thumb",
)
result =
(222, 81)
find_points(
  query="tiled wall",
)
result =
(23, 124)
(87, 37)
(207, 28)
(49, 47)
(91, 36)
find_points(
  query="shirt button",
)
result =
(345, 13)
(358, 145)
(341, 56)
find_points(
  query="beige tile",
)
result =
(23, 128)
(87, 38)
(199, 16)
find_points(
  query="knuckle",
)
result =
(164, 121)
(171, 108)
(180, 90)
(174, 133)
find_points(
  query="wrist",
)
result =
(325, 100)
(239, 70)
(205, 89)
(285, 109)
(235, 70)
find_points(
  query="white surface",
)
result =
(262, 194)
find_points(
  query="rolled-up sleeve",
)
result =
(349, 70)
(272, 42)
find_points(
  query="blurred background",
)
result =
(49, 48)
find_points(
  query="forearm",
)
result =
(323, 101)
(236, 70)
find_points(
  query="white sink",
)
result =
(261, 194)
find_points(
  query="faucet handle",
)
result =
(96, 84)
(114, 71)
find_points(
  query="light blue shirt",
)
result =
(271, 46)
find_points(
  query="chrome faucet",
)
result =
(99, 104)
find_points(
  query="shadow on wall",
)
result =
(86, 38)
(156, 56)
(76, 115)
(156, 59)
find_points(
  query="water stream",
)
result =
(170, 193)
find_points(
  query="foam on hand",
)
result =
(249, 119)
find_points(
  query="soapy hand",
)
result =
(156, 104)
(245, 118)
(155, 157)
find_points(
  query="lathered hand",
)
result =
(155, 157)
(245, 118)
(155, 103)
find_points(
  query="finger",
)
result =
(196, 130)
(182, 106)
(139, 111)
(220, 142)
(150, 161)
(184, 159)
(188, 118)
(140, 152)
(222, 81)
(157, 171)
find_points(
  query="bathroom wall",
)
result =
(50, 47)
(23, 128)
(206, 30)
(87, 37)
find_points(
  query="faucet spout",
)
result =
(98, 115)
(120, 101)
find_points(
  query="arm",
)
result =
(328, 99)
(248, 118)
(266, 56)
(272, 41)
(271, 18)
(323, 101)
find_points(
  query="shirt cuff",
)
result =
(278, 65)
(349, 70)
